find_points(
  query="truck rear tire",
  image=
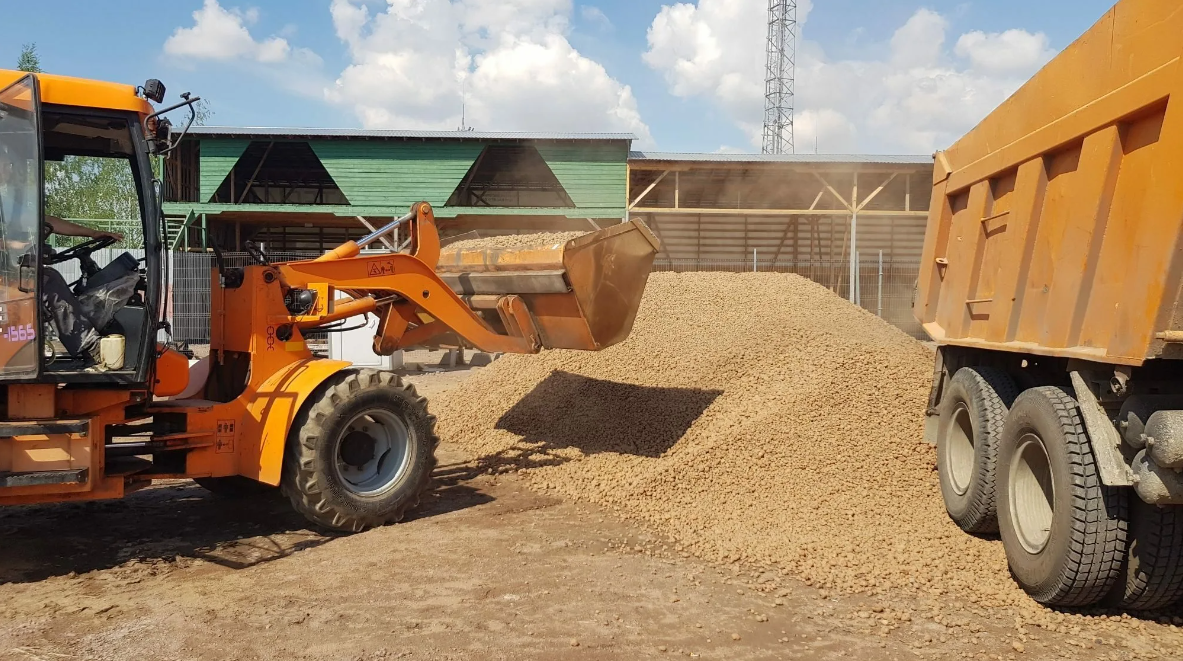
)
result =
(973, 412)
(1154, 564)
(1063, 531)
(361, 451)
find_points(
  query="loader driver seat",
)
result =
(102, 293)
(109, 290)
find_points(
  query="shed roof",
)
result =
(298, 132)
(876, 159)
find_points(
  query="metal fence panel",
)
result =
(190, 283)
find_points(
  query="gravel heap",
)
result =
(755, 418)
(515, 240)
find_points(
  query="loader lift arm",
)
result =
(414, 303)
(398, 288)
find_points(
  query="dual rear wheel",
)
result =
(1023, 466)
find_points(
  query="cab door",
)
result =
(21, 207)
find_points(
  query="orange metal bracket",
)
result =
(391, 327)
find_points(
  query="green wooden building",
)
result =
(311, 189)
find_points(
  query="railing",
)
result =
(885, 290)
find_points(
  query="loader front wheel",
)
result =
(361, 451)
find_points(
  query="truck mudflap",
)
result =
(1103, 436)
(932, 413)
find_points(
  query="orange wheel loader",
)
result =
(351, 448)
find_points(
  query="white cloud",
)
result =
(917, 98)
(824, 126)
(220, 34)
(1005, 52)
(918, 42)
(595, 16)
(508, 61)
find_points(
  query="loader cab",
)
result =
(71, 148)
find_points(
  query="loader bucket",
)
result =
(583, 293)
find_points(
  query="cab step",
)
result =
(38, 478)
(10, 428)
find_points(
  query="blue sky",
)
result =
(678, 98)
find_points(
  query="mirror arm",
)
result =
(188, 101)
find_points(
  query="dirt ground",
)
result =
(485, 568)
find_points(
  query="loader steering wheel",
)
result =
(81, 250)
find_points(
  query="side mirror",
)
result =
(163, 130)
(168, 143)
(159, 142)
(27, 281)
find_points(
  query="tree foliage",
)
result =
(86, 188)
(203, 113)
(29, 60)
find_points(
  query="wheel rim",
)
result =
(1032, 494)
(373, 452)
(959, 450)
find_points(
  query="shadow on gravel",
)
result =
(449, 493)
(572, 411)
(169, 525)
(156, 528)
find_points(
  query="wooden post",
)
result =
(250, 182)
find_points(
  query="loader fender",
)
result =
(270, 411)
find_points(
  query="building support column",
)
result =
(854, 241)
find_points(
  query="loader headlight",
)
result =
(299, 301)
(153, 90)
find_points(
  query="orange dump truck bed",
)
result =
(1056, 223)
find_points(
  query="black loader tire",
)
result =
(1063, 531)
(973, 412)
(1154, 562)
(318, 449)
(234, 486)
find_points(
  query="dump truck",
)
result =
(1052, 282)
(351, 448)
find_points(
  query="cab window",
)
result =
(20, 227)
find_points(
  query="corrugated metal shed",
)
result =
(217, 158)
(297, 132)
(875, 159)
(244, 179)
(595, 176)
(396, 174)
